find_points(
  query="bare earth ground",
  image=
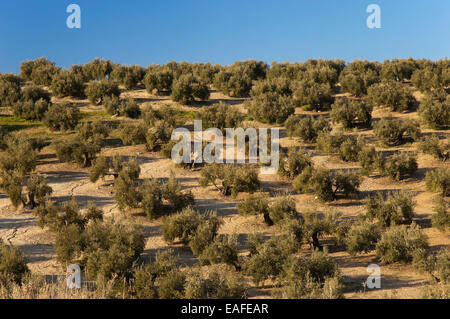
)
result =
(20, 227)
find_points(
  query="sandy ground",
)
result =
(20, 227)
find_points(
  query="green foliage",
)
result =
(132, 133)
(76, 150)
(399, 165)
(271, 107)
(391, 131)
(187, 88)
(68, 83)
(158, 135)
(431, 75)
(220, 116)
(224, 249)
(269, 257)
(317, 225)
(62, 116)
(13, 264)
(20, 154)
(394, 95)
(351, 113)
(314, 95)
(283, 209)
(396, 208)
(171, 286)
(97, 91)
(236, 80)
(369, 159)
(358, 76)
(295, 163)
(438, 180)
(441, 218)
(397, 69)
(310, 277)
(158, 81)
(434, 109)
(127, 107)
(400, 243)
(33, 103)
(10, 91)
(199, 232)
(97, 69)
(232, 178)
(350, 147)
(255, 204)
(431, 145)
(128, 76)
(125, 186)
(40, 71)
(306, 127)
(361, 237)
(325, 185)
(220, 283)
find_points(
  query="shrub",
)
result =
(295, 163)
(398, 69)
(106, 249)
(322, 182)
(10, 91)
(234, 84)
(233, 179)
(369, 159)
(394, 132)
(271, 107)
(396, 208)
(350, 147)
(125, 191)
(76, 150)
(220, 116)
(434, 109)
(33, 104)
(97, 69)
(223, 249)
(132, 133)
(391, 94)
(172, 285)
(40, 71)
(361, 238)
(158, 81)
(432, 146)
(358, 76)
(62, 116)
(351, 113)
(96, 91)
(282, 209)
(94, 132)
(128, 76)
(427, 78)
(158, 135)
(313, 95)
(255, 204)
(13, 264)
(219, 284)
(67, 83)
(438, 180)
(441, 218)
(20, 154)
(187, 88)
(309, 277)
(306, 127)
(399, 165)
(184, 224)
(267, 262)
(398, 244)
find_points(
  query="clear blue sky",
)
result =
(221, 31)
